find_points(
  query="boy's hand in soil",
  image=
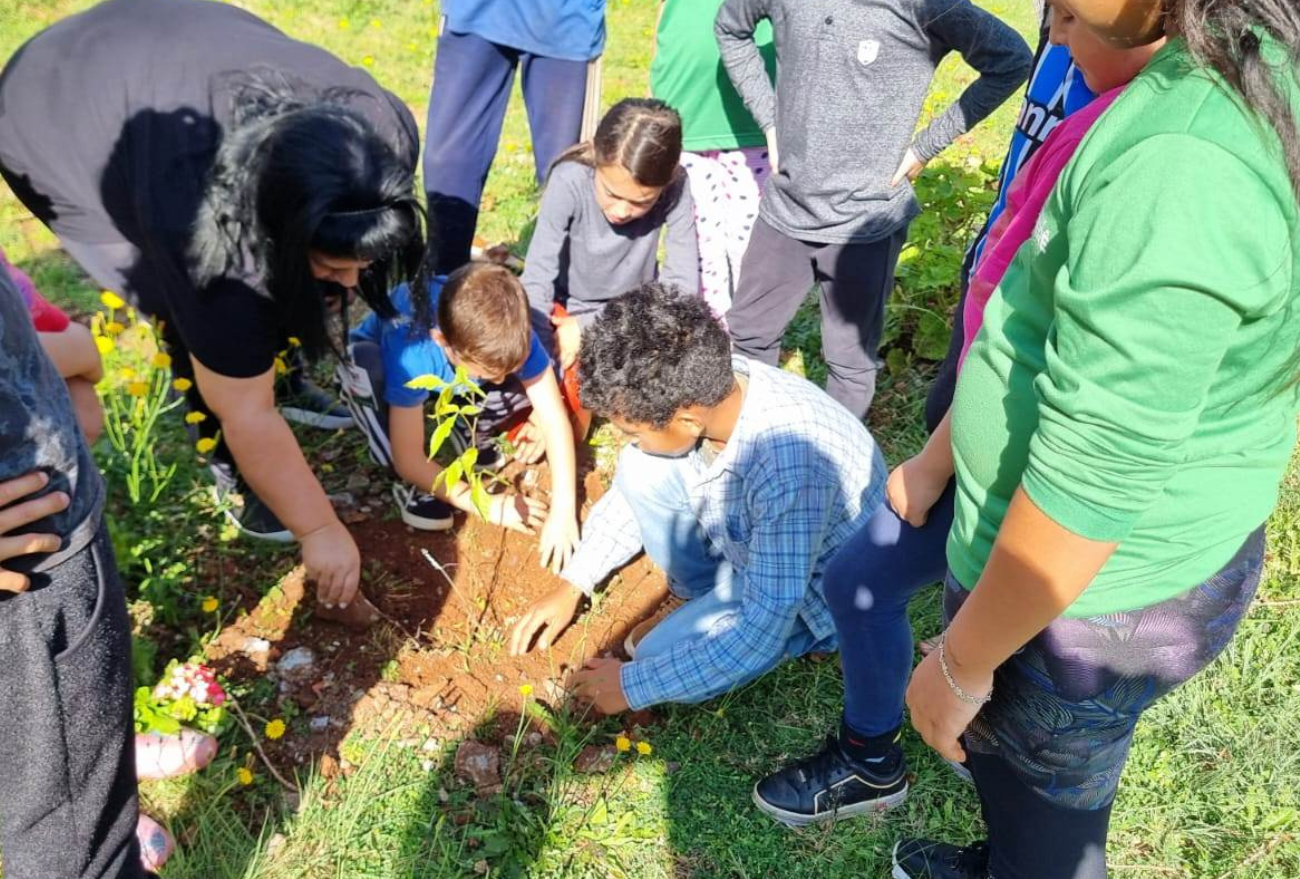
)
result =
(516, 512)
(18, 515)
(529, 443)
(333, 561)
(549, 616)
(558, 540)
(600, 682)
(568, 339)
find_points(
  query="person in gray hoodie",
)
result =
(841, 130)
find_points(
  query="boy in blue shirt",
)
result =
(476, 318)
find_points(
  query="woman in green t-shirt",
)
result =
(1120, 430)
(724, 151)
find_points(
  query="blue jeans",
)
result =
(467, 105)
(656, 490)
(868, 585)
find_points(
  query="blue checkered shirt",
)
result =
(799, 475)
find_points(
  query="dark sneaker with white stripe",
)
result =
(304, 402)
(830, 784)
(245, 509)
(423, 511)
(926, 859)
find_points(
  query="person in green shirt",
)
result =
(1120, 429)
(723, 149)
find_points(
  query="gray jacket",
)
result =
(851, 79)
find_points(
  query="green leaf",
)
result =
(440, 434)
(451, 475)
(930, 341)
(426, 383)
(479, 497)
(469, 411)
(469, 459)
(896, 361)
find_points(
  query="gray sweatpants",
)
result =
(853, 282)
(67, 757)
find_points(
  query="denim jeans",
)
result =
(656, 488)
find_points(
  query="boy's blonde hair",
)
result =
(483, 314)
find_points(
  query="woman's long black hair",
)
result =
(297, 175)
(1225, 35)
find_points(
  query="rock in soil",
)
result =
(595, 759)
(480, 765)
(298, 665)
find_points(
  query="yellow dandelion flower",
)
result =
(275, 729)
(104, 344)
(526, 689)
(344, 24)
(623, 743)
(374, 22)
(195, 417)
(295, 342)
(111, 299)
(369, 60)
(281, 367)
(137, 389)
(182, 385)
(114, 328)
(205, 445)
(127, 373)
(210, 604)
(645, 749)
(162, 360)
(245, 775)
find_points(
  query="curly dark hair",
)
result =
(652, 353)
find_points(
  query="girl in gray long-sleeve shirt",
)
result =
(598, 226)
(841, 122)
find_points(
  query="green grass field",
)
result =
(1210, 792)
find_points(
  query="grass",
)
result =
(1209, 792)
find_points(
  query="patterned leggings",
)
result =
(1048, 751)
(726, 186)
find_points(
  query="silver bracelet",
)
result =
(953, 685)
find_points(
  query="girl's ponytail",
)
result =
(643, 135)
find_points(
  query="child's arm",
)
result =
(554, 216)
(916, 484)
(74, 353)
(559, 536)
(734, 30)
(989, 45)
(410, 459)
(681, 266)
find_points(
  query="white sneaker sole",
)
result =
(321, 420)
(419, 523)
(793, 819)
(898, 872)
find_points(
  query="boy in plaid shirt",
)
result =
(740, 481)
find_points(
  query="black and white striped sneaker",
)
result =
(421, 510)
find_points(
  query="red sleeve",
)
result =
(48, 318)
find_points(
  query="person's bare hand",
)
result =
(529, 444)
(333, 561)
(546, 619)
(770, 134)
(909, 169)
(937, 714)
(912, 491)
(568, 340)
(558, 540)
(517, 512)
(15, 515)
(600, 683)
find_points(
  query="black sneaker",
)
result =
(245, 509)
(830, 784)
(490, 457)
(306, 403)
(926, 859)
(423, 511)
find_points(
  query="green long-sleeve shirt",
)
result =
(1135, 368)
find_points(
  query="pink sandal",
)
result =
(156, 844)
(163, 756)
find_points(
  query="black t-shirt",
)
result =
(109, 124)
(38, 431)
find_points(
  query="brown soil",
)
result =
(436, 665)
